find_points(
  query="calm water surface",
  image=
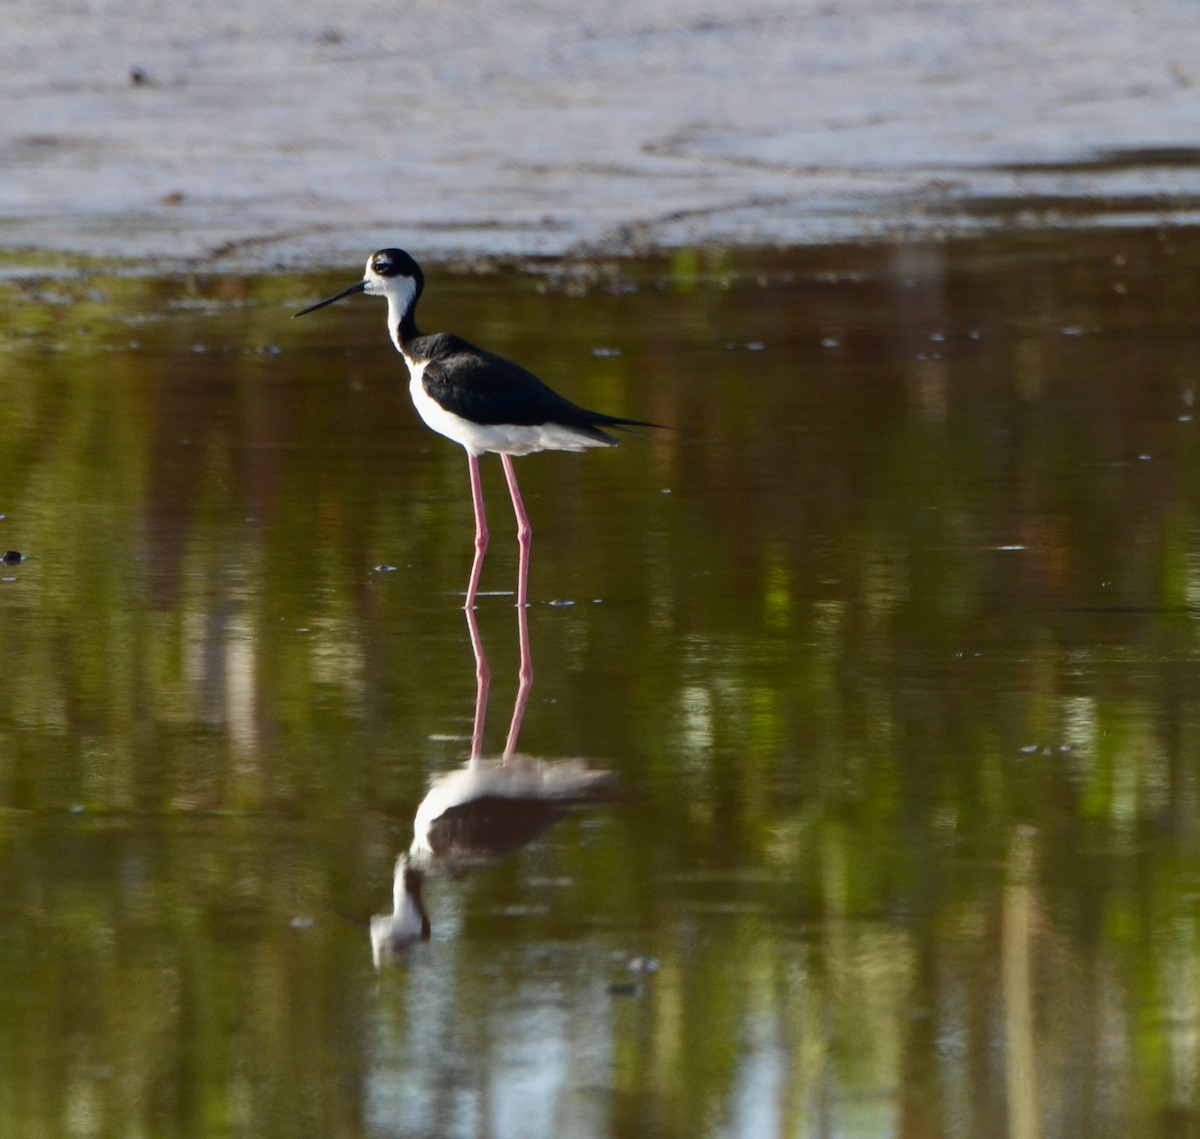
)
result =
(892, 641)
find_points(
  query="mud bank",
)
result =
(285, 134)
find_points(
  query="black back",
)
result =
(489, 389)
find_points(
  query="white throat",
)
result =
(401, 295)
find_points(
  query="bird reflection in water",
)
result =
(485, 810)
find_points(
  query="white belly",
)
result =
(505, 438)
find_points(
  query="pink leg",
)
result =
(481, 530)
(524, 531)
(483, 678)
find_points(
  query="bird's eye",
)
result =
(382, 266)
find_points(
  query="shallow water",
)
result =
(891, 640)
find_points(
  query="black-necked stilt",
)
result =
(480, 400)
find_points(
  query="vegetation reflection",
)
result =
(892, 638)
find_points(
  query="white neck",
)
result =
(400, 298)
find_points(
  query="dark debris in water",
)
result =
(12, 557)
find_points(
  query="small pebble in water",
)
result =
(12, 557)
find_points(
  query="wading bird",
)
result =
(480, 400)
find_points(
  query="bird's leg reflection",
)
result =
(526, 680)
(483, 674)
(483, 678)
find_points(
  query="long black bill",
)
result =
(357, 288)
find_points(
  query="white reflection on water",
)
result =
(495, 1037)
(533, 1059)
(696, 720)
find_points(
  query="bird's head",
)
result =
(390, 273)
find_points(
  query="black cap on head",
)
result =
(394, 263)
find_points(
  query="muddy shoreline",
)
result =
(293, 135)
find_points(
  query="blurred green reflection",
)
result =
(893, 638)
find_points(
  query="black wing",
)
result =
(491, 390)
